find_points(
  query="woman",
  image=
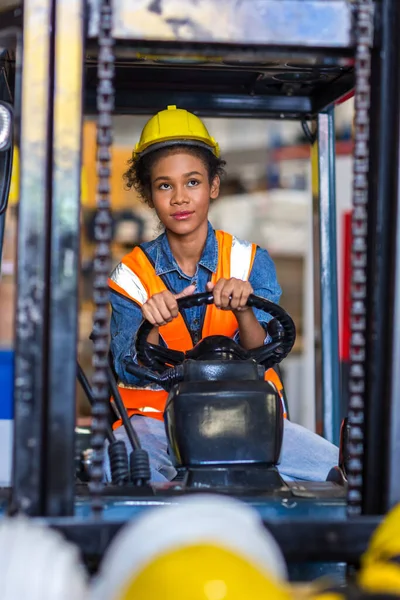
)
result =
(176, 168)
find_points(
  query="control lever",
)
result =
(261, 355)
(117, 451)
(139, 458)
(138, 466)
(166, 380)
(85, 385)
(131, 433)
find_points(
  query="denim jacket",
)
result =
(127, 316)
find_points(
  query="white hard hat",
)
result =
(37, 563)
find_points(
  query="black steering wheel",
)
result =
(281, 330)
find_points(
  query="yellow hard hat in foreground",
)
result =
(174, 126)
(200, 548)
(380, 565)
(203, 572)
(385, 541)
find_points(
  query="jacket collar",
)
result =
(165, 261)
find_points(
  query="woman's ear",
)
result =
(214, 191)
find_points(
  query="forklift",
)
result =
(272, 59)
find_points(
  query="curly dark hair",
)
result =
(138, 176)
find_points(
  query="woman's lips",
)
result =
(181, 216)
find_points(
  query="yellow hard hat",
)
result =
(380, 569)
(174, 126)
(381, 577)
(328, 595)
(203, 572)
(385, 541)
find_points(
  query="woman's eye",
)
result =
(193, 183)
(165, 186)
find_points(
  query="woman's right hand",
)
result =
(162, 308)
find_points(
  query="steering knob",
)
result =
(275, 330)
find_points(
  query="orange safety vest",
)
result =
(136, 279)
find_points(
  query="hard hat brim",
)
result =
(177, 142)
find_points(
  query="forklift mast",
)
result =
(273, 59)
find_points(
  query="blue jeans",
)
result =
(305, 455)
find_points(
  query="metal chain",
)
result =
(364, 33)
(102, 262)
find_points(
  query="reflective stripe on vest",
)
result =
(128, 283)
(136, 279)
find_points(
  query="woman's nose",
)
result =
(179, 196)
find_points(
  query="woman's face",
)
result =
(181, 192)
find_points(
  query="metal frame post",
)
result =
(2, 231)
(325, 278)
(6, 158)
(30, 389)
(48, 258)
(393, 474)
(381, 485)
(5, 178)
(64, 266)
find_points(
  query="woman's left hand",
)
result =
(231, 294)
